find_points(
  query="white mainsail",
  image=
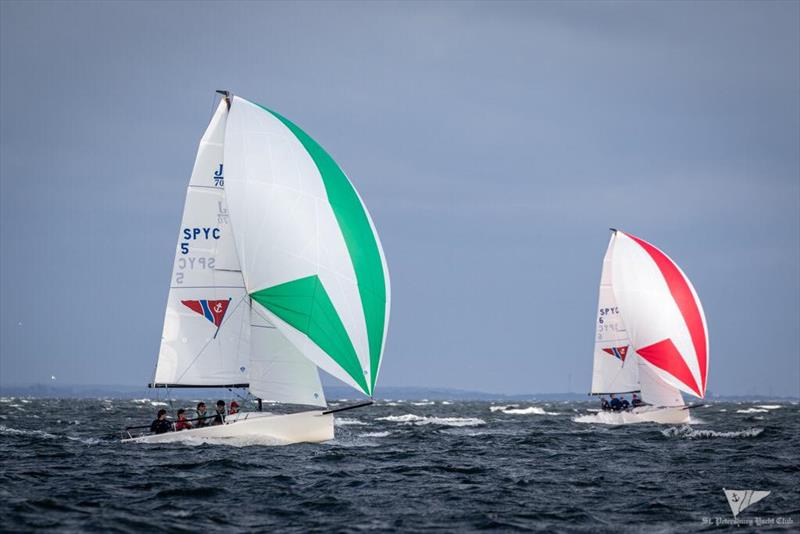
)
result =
(206, 336)
(665, 332)
(615, 366)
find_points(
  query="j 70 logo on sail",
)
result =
(219, 179)
(213, 310)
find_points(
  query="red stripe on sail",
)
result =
(665, 356)
(682, 294)
(193, 305)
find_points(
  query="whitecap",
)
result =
(346, 421)
(411, 419)
(446, 403)
(502, 407)
(423, 403)
(770, 406)
(688, 432)
(752, 410)
(531, 410)
(375, 434)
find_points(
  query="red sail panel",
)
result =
(666, 357)
(684, 298)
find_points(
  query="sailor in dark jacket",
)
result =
(616, 404)
(219, 418)
(160, 425)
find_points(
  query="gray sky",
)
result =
(494, 144)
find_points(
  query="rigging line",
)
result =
(224, 321)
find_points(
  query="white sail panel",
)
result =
(655, 390)
(205, 340)
(615, 368)
(278, 372)
(654, 321)
(288, 236)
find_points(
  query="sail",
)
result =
(654, 390)
(308, 249)
(205, 340)
(663, 315)
(278, 372)
(615, 366)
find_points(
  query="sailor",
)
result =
(616, 405)
(201, 415)
(182, 423)
(219, 418)
(604, 404)
(234, 408)
(160, 425)
(636, 401)
(625, 403)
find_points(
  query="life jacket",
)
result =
(182, 423)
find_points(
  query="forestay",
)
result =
(307, 246)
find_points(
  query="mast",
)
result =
(227, 96)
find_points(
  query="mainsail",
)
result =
(206, 339)
(309, 252)
(615, 366)
(663, 321)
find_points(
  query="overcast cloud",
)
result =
(494, 145)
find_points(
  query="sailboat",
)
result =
(651, 334)
(278, 273)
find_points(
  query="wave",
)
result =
(423, 403)
(418, 420)
(531, 410)
(502, 407)
(770, 406)
(241, 441)
(688, 432)
(375, 434)
(346, 421)
(45, 435)
(752, 410)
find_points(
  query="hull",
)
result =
(255, 427)
(645, 414)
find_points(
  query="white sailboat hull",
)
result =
(646, 414)
(284, 429)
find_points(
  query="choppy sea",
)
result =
(403, 466)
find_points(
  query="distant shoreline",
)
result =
(332, 392)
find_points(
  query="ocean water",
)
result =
(402, 466)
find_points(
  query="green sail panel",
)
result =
(361, 242)
(305, 305)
